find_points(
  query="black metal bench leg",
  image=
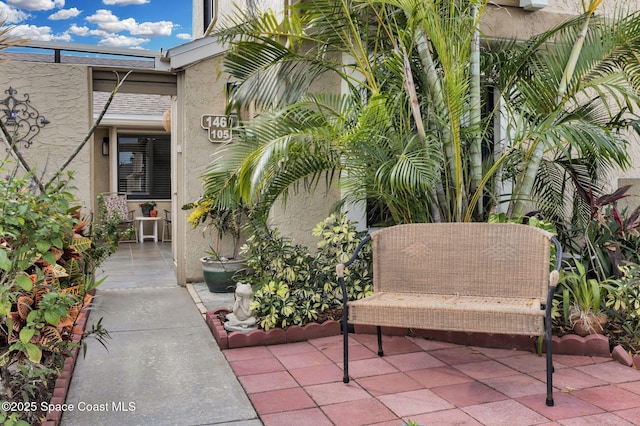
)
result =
(379, 332)
(345, 347)
(549, 364)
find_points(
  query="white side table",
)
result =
(141, 220)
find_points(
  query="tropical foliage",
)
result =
(227, 221)
(48, 259)
(48, 256)
(412, 132)
(609, 239)
(293, 286)
(623, 302)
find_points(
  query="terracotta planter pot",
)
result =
(154, 213)
(592, 324)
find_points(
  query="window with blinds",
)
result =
(144, 166)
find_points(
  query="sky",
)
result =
(138, 24)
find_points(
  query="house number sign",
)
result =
(218, 127)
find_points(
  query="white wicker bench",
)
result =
(473, 277)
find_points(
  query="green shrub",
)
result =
(623, 299)
(294, 287)
(281, 272)
(612, 239)
(47, 260)
(339, 240)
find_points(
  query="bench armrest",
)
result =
(554, 276)
(340, 268)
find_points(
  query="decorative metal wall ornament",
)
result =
(21, 118)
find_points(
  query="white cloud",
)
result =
(76, 30)
(122, 41)
(184, 36)
(12, 15)
(65, 14)
(36, 4)
(98, 33)
(153, 29)
(124, 2)
(33, 32)
(105, 20)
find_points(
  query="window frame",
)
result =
(122, 133)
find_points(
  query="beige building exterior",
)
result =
(168, 94)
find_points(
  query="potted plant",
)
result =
(582, 299)
(146, 207)
(218, 268)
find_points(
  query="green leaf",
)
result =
(9, 322)
(33, 316)
(5, 306)
(26, 334)
(24, 282)
(43, 246)
(33, 352)
(5, 263)
(49, 258)
(52, 317)
(80, 244)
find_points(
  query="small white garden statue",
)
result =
(241, 319)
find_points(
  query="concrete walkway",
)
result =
(162, 366)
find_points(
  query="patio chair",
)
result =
(116, 203)
(166, 229)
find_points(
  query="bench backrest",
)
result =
(475, 259)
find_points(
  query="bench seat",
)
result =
(450, 312)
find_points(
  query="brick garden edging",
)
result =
(570, 344)
(275, 336)
(64, 379)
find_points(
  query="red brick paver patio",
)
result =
(430, 383)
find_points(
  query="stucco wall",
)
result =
(100, 169)
(502, 19)
(303, 210)
(60, 92)
(201, 91)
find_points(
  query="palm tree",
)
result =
(382, 145)
(406, 134)
(566, 104)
